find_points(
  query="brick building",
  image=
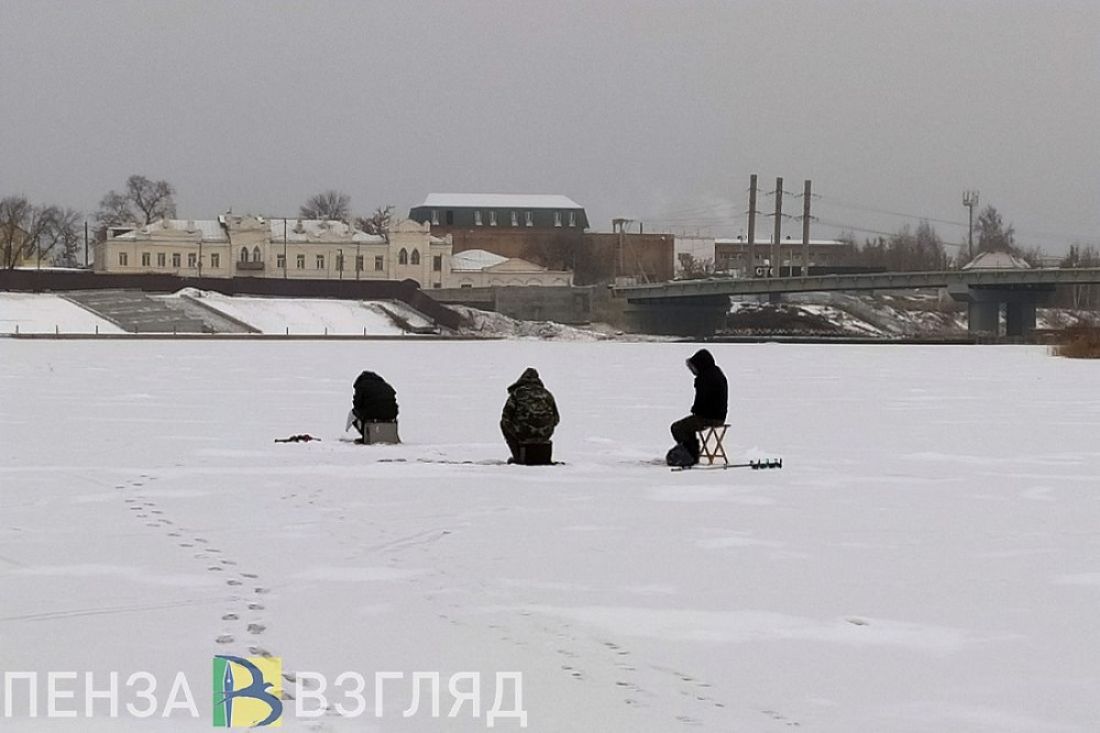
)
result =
(549, 230)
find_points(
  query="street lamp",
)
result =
(970, 200)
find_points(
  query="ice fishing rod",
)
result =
(761, 465)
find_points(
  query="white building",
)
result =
(252, 246)
(478, 268)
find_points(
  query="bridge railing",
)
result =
(872, 281)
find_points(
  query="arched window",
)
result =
(402, 257)
(256, 257)
(415, 260)
(244, 254)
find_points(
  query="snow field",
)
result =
(926, 560)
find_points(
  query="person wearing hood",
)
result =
(373, 402)
(709, 408)
(530, 414)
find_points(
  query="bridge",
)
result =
(701, 304)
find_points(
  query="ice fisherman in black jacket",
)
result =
(709, 408)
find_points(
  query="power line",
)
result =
(864, 230)
(861, 207)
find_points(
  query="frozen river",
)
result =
(928, 559)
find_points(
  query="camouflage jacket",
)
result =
(530, 412)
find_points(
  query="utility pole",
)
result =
(806, 194)
(85, 242)
(286, 265)
(778, 224)
(752, 226)
(970, 200)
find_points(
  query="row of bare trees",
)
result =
(38, 233)
(924, 249)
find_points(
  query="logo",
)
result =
(247, 692)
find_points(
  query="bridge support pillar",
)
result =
(695, 317)
(1019, 319)
(984, 307)
(983, 318)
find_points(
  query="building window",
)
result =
(244, 254)
(340, 262)
(146, 260)
(280, 262)
(320, 262)
(572, 218)
(216, 260)
(435, 216)
(160, 259)
(402, 257)
(557, 218)
(466, 285)
(437, 285)
(450, 218)
(529, 218)
(515, 219)
(379, 263)
(477, 217)
(192, 259)
(415, 259)
(175, 259)
(122, 259)
(492, 218)
(301, 262)
(437, 263)
(256, 256)
(358, 263)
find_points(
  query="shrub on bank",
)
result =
(1080, 342)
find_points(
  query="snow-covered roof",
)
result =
(499, 201)
(996, 261)
(475, 259)
(297, 230)
(318, 230)
(210, 229)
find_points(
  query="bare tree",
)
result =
(693, 268)
(329, 205)
(142, 202)
(114, 210)
(28, 231)
(68, 238)
(153, 199)
(993, 234)
(378, 222)
(15, 215)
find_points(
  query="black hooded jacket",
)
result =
(374, 400)
(711, 391)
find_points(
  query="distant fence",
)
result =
(407, 291)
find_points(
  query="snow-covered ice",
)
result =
(926, 560)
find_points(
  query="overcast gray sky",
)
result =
(658, 110)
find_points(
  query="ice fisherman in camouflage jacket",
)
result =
(530, 414)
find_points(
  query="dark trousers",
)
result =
(510, 439)
(684, 431)
(515, 441)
